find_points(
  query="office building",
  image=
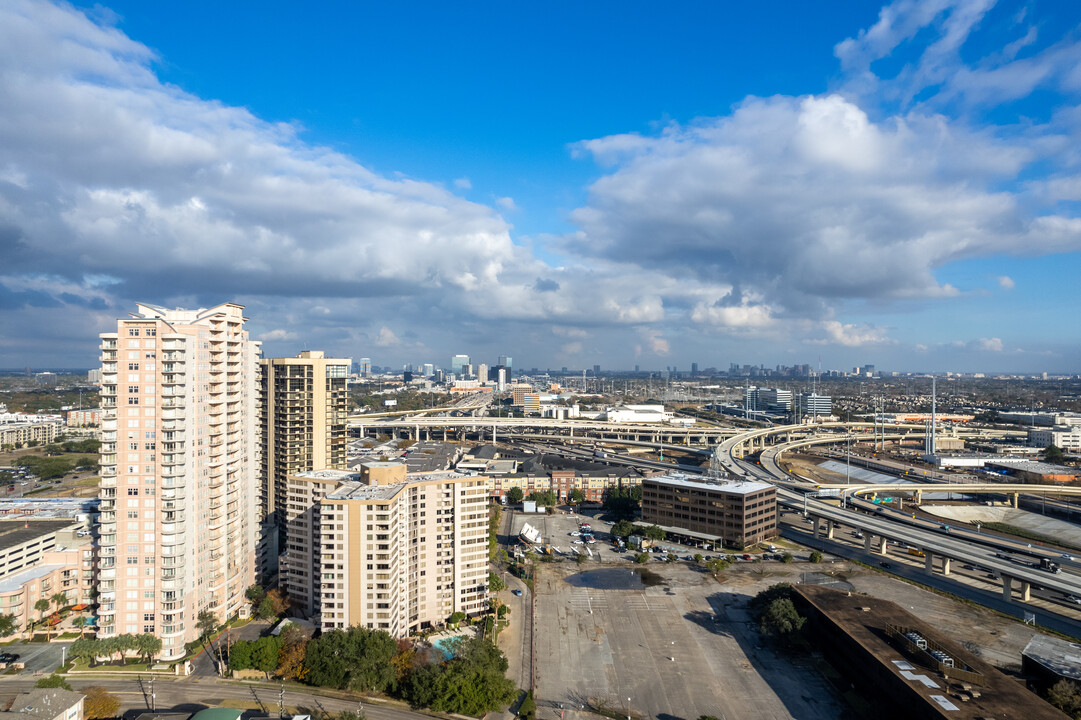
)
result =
(736, 514)
(365, 367)
(179, 471)
(815, 405)
(457, 363)
(304, 404)
(1064, 437)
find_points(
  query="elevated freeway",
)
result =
(428, 428)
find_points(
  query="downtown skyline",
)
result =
(614, 185)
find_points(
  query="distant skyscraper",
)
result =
(694, 368)
(457, 363)
(482, 372)
(596, 369)
(303, 417)
(506, 361)
(429, 369)
(179, 471)
(365, 367)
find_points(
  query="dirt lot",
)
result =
(680, 648)
(682, 644)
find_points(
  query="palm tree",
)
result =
(41, 606)
(7, 625)
(80, 622)
(59, 599)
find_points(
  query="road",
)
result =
(196, 693)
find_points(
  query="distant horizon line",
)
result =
(883, 375)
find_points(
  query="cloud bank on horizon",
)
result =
(802, 224)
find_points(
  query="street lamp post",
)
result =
(628, 709)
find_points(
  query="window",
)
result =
(133, 560)
(133, 491)
(133, 332)
(133, 514)
(133, 366)
(133, 401)
(151, 332)
(133, 446)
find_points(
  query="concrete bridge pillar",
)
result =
(945, 565)
(1013, 499)
(929, 563)
(444, 433)
(867, 542)
(919, 497)
(1007, 588)
(1026, 591)
(883, 546)
(829, 529)
(818, 528)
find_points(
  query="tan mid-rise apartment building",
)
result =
(180, 461)
(304, 405)
(385, 550)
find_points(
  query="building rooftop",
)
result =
(733, 487)
(17, 580)
(1059, 656)
(330, 475)
(1034, 466)
(42, 703)
(863, 619)
(354, 489)
(18, 532)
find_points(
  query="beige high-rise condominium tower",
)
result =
(179, 466)
(305, 404)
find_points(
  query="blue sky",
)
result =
(569, 184)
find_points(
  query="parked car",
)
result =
(885, 565)
(516, 591)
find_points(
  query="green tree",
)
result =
(53, 681)
(515, 496)
(206, 623)
(472, 682)
(255, 594)
(240, 656)
(698, 558)
(84, 649)
(577, 497)
(622, 529)
(148, 645)
(59, 599)
(545, 497)
(787, 558)
(456, 618)
(781, 620)
(1066, 696)
(654, 532)
(717, 565)
(641, 557)
(264, 653)
(79, 622)
(42, 606)
(357, 659)
(815, 556)
(8, 625)
(1054, 454)
(495, 584)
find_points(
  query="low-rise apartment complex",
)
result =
(40, 559)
